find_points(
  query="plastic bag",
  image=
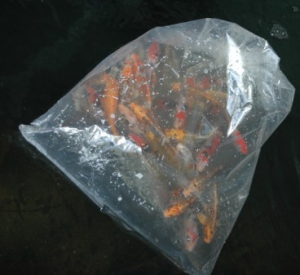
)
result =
(164, 134)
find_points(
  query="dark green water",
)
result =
(47, 226)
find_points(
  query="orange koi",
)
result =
(209, 218)
(176, 134)
(162, 147)
(133, 74)
(198, 184)
(195, 185)
(180, 135)
(126, 73)
(141, 114)
(178, 208)
(109, 100)
(215, 97)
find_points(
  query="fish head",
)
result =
(191, 233)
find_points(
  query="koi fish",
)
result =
(153, 53)
(240, 142)
(134, 126)
(126, 73)
(92, 94)
(198, 184)
(208, 218)
(178, 208)
(159, 144)
(129, 115)
(180, 111)
(142, 115)
(219, 99)
(215, 97)
(185, 154)
(182, 136)
(191, 233)
(140, 78)
(153, 60)
(180, 115)
(133, 74)
(138, 140)
(180, 119)
(205, 154)
(109, 100)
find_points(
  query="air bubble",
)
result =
(139, 175)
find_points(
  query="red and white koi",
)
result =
(180, 113)
(153, 53)
(205, 154)
(191, 232)
(240, 142)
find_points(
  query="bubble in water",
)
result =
(278, 31)
(139, 175)
(120, 198)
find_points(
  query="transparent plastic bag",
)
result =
(165, 133)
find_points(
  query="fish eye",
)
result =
(205, 153)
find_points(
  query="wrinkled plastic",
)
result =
(164, 134)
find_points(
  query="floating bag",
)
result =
(164, 134)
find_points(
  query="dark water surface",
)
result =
(47, 226)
